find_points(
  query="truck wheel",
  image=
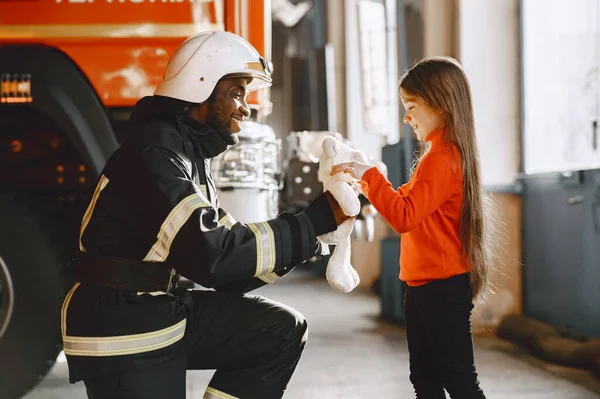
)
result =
(32, 287)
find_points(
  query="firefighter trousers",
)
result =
(253, 343)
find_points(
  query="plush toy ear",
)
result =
(330, 146)
(360, 156)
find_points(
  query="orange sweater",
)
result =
(426, 211)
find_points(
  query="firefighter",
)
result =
(128, 330)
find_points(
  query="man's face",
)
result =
(227, 108)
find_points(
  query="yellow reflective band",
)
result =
(124, 344)
(257, 66)
(269, 278)
(203, 191)
(153, 293)
(88, 213)
(90, 31)
(172, 224)
(212, 393)
(259, 255)
(65, 306)
(265, 248)
(227, 221)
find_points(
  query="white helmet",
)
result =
(203, 59)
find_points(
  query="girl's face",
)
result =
(420, 116)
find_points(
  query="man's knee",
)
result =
(294, 325)
(299, 331)
(289, 324)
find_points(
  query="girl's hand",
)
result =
(355, 169)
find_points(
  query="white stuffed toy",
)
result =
(340, 274)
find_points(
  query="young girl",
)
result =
(442, 215)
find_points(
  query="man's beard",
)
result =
(223, 129)
(225, 134)
(230, 138)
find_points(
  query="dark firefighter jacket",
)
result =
(155, 201)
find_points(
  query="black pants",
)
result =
(440, 344)
(253, 343)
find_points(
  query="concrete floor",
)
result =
(350, 354)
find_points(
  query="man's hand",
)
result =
(354, 169)
(338, 213)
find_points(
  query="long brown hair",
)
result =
(442, 83)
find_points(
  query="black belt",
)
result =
(124, 274)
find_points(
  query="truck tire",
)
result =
(32, 287)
